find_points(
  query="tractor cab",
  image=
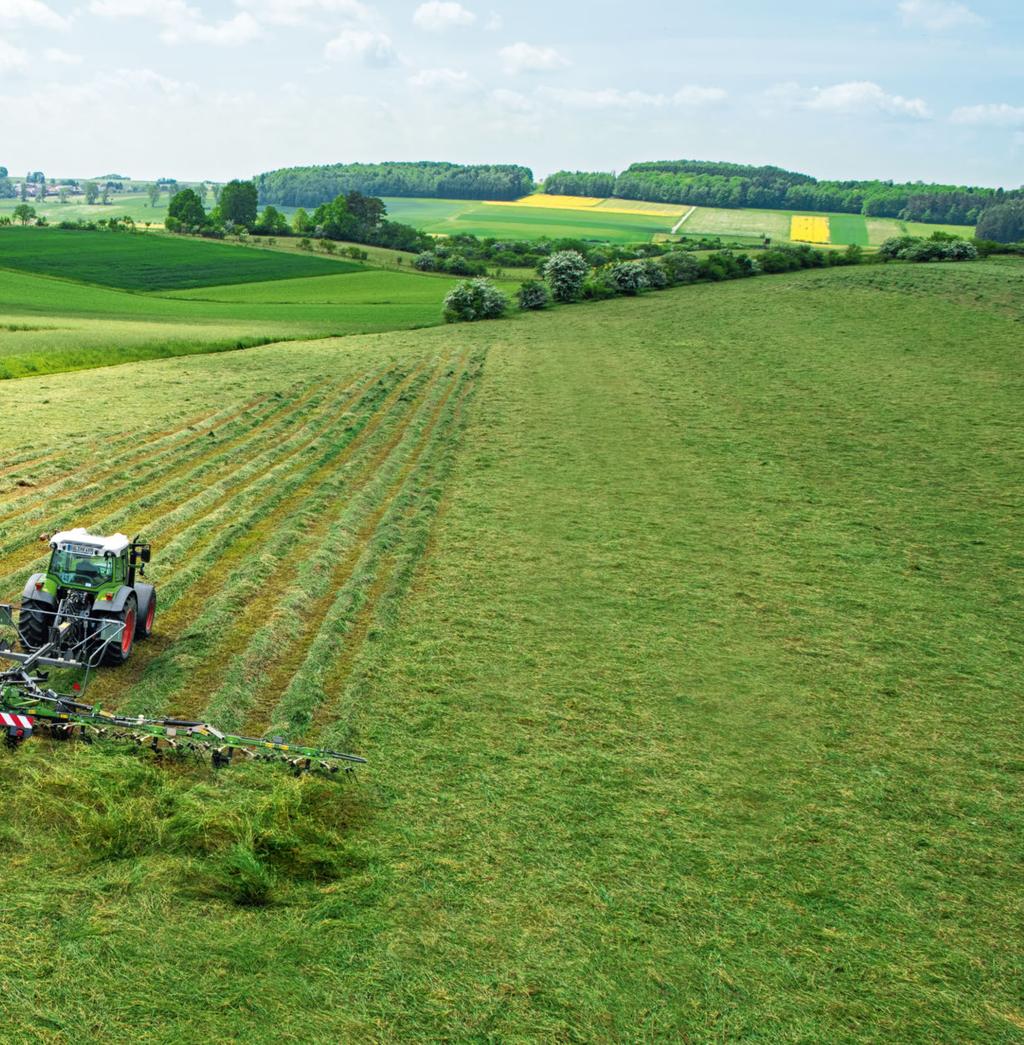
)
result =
(80, 560)
(90, 585)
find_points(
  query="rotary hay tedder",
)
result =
(89, 608)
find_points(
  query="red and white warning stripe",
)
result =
(18, 721)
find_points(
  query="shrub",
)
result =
(654, 273)
(680, 268)
(356, 254)
(961, 250)
(426, 262)
(628, 277)
(923, 250)
(895, 246)
(533, 295)
(565, 272)
(474, 299)
(598, 288)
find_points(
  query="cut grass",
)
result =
(684, 652)
(149, 261)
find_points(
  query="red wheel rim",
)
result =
(150, 615)
(129, 631)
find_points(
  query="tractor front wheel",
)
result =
(34, 622)
(120, 649)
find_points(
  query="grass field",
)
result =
(527, 221)
(49, 324)
(682, 634)
(141, 261)
(133, 204)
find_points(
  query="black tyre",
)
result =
(147, 611)
(118, 650)
(34, 623)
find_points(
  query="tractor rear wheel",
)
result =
(34, 623)
(147, 611)
(120, 649)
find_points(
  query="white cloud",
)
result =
(437, 15)
(693, 95)
(938, 15)
(230, 33)
(442, 79)
(614, 98)
(59, 57)
(511, 101)
(494, 22)
(522, 58)
(301, 12)
(362, 45)
(854, 97)
(31, 12)
(182, 22)
(994, 115)
(12, 59)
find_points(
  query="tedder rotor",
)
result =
(89, 608)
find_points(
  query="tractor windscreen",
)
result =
(77, 566)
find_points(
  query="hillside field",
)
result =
(629, 221)
(135, 205)
(51, 322)
(682, 634)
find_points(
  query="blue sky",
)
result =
(903, 89)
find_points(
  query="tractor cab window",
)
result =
(77, 566)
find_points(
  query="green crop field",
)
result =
(149, 261)
(50, 324)
(845, 229)
(681, 632)
(451, 217)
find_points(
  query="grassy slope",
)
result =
(700, 719)
(136, 261)
(51, 324)
(450, 217)
(134, 204)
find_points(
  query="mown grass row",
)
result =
(216, 579)
(271, 464)
(203, 460)
(279, 626)
(77, 452)
(137, 472)
(252, 587)
(402, 525)
(349, 672)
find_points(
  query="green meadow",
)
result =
(150, 261)
(134, 205)
(681, 632)
(52, 322)
(454, 217)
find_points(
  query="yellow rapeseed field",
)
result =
(540, 199)
(610, 206)
(809, 230)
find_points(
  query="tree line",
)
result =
(311, 186)
(354, 217)
(710, 184)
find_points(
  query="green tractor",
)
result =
(89, 598)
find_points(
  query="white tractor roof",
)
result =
(104, 545)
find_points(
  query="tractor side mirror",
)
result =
(6, 616)
(145, 553)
